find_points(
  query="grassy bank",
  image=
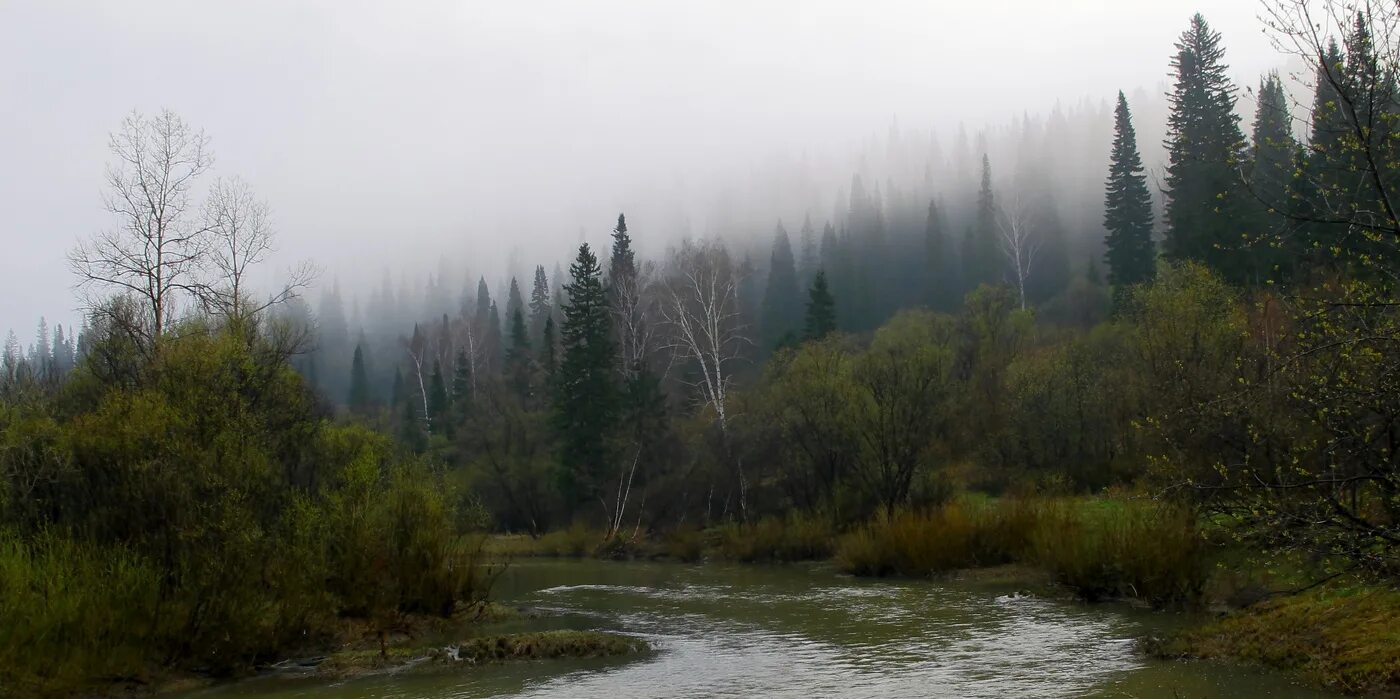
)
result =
(1345, 637)
(541, 645)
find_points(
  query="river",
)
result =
(805, 631)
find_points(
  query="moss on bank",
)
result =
(1344, 638)
(541, 645)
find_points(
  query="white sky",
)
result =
(389, 133)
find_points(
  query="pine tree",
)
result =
(1318, 181)
(623, 263)
(821, 309)
(981, 257)
(1131, 255)
(1205, 205)
(461, 386)
(586, 401)
(359, 399)
(494, 343)
(518, 356)
(940, 272)
(437, 400)
(780, 299)
(549, 349)
(1270, 178)
(808, 260)
(514, 300)
(540, 307)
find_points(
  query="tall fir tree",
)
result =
(981, 255)
(1271, 181)
(808, 260)
(821, 309)
(781, 302)
(1205, 149)
(1131, 255)
(360, 399)
(438, 404)
(540, 306)
(586, 395)
(1319, 180)
(940, 268)
(514, 300)
(519, 361)
(461, 387)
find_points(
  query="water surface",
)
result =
(805, 631)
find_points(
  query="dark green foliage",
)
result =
(781, 304)
(361, 398)
(941, 275)
(206, 517)
(540, 306)
(981, 259)
(1205, 148)
(1132, 254)
(821, 309)
(438, 400)
(586, 394)
(519, 358)
(1270, 179)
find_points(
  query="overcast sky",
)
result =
(389, 133)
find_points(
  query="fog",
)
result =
(463, 136)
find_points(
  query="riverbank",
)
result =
(1343, 636)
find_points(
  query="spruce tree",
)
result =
(540, 307)
(1319, 179)
(494, 344)
(821, 309)
(808, 261)
(623, 263)
(1270, 179)
(549, 344)
(359, 399)
(780, 299)
(1131, 255)
(518, 356)
(514, 300)
(586, 400)
(940, 273)
(981, 257)
(1205, 147)
(437, 400)
(461, 386)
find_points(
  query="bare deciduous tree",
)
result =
(241, 236)
(155, 251)
(701, 307)
(1019, 242)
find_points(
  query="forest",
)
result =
(207, 476)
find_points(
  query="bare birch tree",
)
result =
(241, 236)
(1019, 242)
(701, 307)
(154, 252)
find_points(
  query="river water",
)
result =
(805, 631)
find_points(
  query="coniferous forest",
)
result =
(954, 359)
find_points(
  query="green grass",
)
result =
(1345, 638)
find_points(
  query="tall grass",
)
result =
(1147, 550)
(961, 534)
(798, 537)
(72, 613)
(1100, 549)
